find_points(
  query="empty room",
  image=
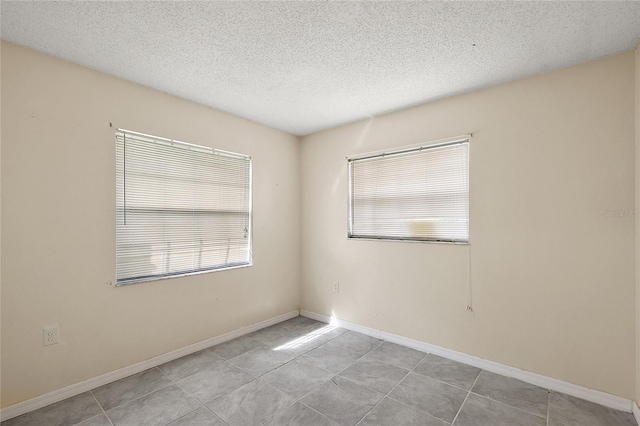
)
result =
(319, 213)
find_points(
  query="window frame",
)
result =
(458, 140)
(185, 273)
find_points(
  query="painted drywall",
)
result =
(551, 259)
(637, 213)
(0, 222)
(58, 218)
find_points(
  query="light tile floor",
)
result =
(306, 373)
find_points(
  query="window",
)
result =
(417, 194)
(180, 208)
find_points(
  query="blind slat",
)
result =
(418, 195)
(180, 208)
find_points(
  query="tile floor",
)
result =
(302, 372)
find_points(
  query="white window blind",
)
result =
(419, 194)
(180, 208)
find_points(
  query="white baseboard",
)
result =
(87, 385)
(636, 412)
(591, 395)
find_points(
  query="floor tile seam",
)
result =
(508, 405)
(268, 371)
(388, 393)
(194, 397)
(365, 354)
(286, 327)
(447, 383)
(404, 368)
(389, 363)
(188, 393)
(465, 399)
(407, 405)
(79, 423)
(357, 384)
(191, 412)
(379, 402)
(315, 387)
(291, 332)
(250, 350)
(335, 337)
(304, 330)
(548, 405)
(324, 342)
(193, 374)
(311, 408)
(306, 362)
(312, 365)
(417, 409)
(317, 347)
(265, 346)
(312, 390)
(410, 406)
(101, 408)
(231, 365)
(268, 344)
(273, 416)
(230, 358)
(243, 369)
(312, 349)
(141, 396)
(254, 379)
(346, 344)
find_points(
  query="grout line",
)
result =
(228, 361)
(475, 393)
(312, 390)
(100, 405)
(261, 375)
(381, 399)
(393, 388)
(175, 382)
(331, 372)
(367, 353)
(548, 405)
(275, 368)
(279, 412)
(296, 357)
(143, 395)
(299, 356)
(446, 383)
(214, 362)
(465, 399)
(311, 408)
(315, 366)
(509, 405)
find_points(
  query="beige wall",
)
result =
(638, 224)
(552, 275)
(58, 218)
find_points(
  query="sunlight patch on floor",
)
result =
(306, 338)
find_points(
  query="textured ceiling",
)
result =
(306, 66)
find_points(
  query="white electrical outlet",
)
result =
(336, 287)
(51, 335)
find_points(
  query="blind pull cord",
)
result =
(470, 299)
(124, 178)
